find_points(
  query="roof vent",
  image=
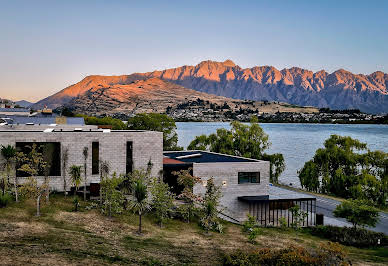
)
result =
(189, 156)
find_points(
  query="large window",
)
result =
(248, 177)
(129, 156)
(95, 158)
(51, 153)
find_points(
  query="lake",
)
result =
(297, 142)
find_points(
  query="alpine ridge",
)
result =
(338, 90)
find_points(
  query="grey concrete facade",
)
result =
(147, 146)
(225, 174)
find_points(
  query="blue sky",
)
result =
(48, 45)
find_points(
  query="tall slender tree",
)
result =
(104, 173)
(9, 154)
(75, 174)
(65, 157)
(85, 153)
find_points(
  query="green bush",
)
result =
(350, 236)
(5, 200)
(327, 254)
(251, 227)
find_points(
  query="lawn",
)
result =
(61, 237)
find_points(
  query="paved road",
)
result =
(326, 207)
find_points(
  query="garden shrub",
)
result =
(357, 237)
(5, 200)
(251, 227)
(328, 254)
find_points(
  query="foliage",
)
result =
(298, 216)
(283, 223)
(5, 199)
(85, 154)
(185, 179)
(251, 227)
(210, 207)
(76, 203)
(4, 183)
(157, 122)
(65, 158)
(357, 212)
(162, 201)
(248, 141)
(277, 165)
(31, 188)
(75, 175)
(357, 237)
(32, 163)
(328, 254)
(116, 124)
(112, 197)
(139, 201)
(346, 168)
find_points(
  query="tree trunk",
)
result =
(38, 205)
(16, 189)
(85, 184)
(139, 222)
(47, 191)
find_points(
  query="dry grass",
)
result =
(63, 237)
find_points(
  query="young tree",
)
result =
(9, 154)
(113, 198)
(75, 175)
(357, 212)
(33, 163)
(48, 150)
(139, 202)
(188, 181)
(298, 216)
(85, 154)
(31, 189)
(211, 206)
(157, 122)
(162, 200)
(248, 141)
(65, 157)
(104, 173)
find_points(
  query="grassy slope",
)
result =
(61, 236)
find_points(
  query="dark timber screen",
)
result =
(269, 212)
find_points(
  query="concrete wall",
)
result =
(232, 190)
(147, 145)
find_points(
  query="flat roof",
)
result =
(205, 157)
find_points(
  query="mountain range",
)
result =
(338, 90)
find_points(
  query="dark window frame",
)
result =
(129, 157)
(249, 178)
(56, 157)
(95, 158)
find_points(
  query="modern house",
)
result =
(123, 150)
(244, 183)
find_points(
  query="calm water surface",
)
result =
(297, 142)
